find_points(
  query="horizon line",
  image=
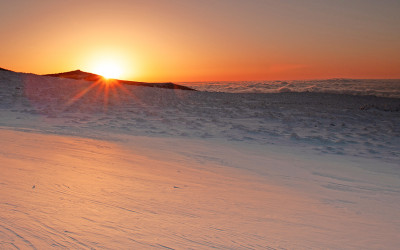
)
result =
(229, 80)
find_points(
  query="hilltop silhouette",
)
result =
(5, 69)
(81, 75)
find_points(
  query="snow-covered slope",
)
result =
(363, 126)
(86, 165)
(156, 193)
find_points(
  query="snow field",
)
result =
(87, 165)
(136, 192)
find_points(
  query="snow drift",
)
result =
(86, 165)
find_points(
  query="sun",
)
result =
(108, 69)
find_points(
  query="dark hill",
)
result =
(5, 69)
(81, 75)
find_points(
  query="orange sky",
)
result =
(204, 40)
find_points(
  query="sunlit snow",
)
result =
(149, 168)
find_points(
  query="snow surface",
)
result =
(145, 168)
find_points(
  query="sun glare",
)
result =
(108, 69)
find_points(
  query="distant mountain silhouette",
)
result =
(5, 69)
(81, 75)
(77, 75)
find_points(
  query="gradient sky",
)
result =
(188, 40)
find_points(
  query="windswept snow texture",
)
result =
(382, 88)
(364, 126)
(92, 166)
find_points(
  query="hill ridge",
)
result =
(82, 75)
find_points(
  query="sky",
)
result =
(204, 40)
